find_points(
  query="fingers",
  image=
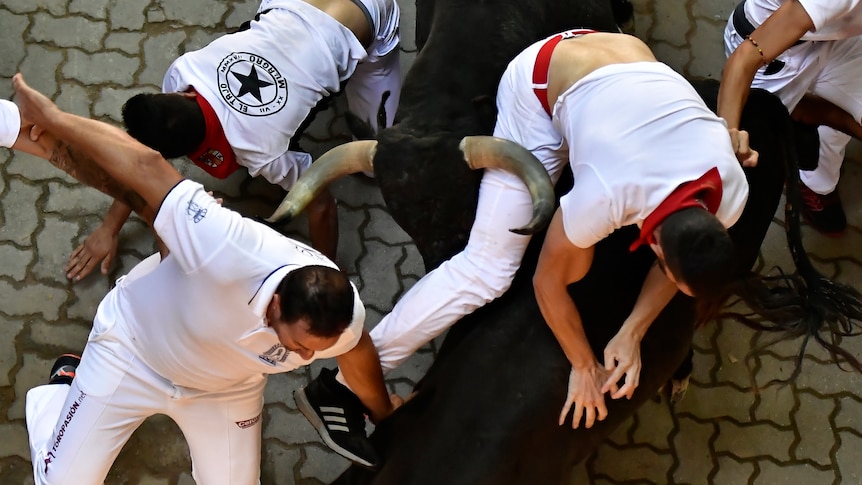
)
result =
(566, 407)
(106, 263)
(35, 132)
(740, 144)
(396, 400)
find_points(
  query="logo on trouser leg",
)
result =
(248, 423)
(49, 457)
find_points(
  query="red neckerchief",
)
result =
(703, 192)
(214, 155)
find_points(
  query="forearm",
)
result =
(361, 370)
(563, 318)
(735, 86)
(116, 216)
(85, 169)
(656, 292)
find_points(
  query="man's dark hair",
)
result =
(320, 294)
(698, 251)
(171, 124)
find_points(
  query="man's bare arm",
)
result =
(99, 154)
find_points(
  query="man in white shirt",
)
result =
(244, 99)
(191, 334)
(807, 52)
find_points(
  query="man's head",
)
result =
(696, 252)
(171, 123)
(311, 307)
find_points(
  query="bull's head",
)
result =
(477, 152)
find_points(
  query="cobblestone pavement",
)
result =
(91, 55)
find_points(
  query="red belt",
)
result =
(543, 62)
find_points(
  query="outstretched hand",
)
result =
(585, 397)
(100, 246)
(35, 107)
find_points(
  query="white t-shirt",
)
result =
(263, 82)
(10, 123)
(197, 318)
(635, 132)
(833, 19)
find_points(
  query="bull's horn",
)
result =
(493, 152)
(342, 160)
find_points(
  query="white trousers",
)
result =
(484, 270)
(829, 69)
(77, 431)
(380, 72)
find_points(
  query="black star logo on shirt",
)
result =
(250, 84)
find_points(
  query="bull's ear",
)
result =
(486, 109)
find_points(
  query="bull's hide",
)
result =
(486, 413)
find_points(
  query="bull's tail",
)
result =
(806, 303)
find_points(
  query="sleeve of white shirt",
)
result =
(195, 228)
(822, 12)
(10, 123)
(285, 170)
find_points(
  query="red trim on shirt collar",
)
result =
(214, 155)
(704, 192)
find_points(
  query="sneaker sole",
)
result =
(310, 414)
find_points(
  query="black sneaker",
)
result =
(823, 212)
(338, 416)
(64, 369)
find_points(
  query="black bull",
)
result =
(486, 413)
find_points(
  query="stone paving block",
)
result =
(65, 337)
(692, 446)
(14, 261)
(289, 427)
(358, 190)
(717, 402)
(38, 61)
(160, 50)
(733, 345)
(128, 42)
(240, 12)
(32, 299)
(54, 244)
(707, 41)
(381, 284)
(14, 440)
(185, 479)
(279, 462)
(655, 429)
(75, 99)
(322, 464)
(826, 379)
(382, 223)
(671, 55)
(200, 38)
(775, 404)
(207, 13)
(849, 464)
(732, 472)
(97, 9)
(279, 388)
(350, 246)
(753, 440)
(634, 463)
(672, 24)
(89, 293)
(74, 31)
(715, 10)
(33, 372)
(110, 103)
(128, 14)
(849, 413)
(100, 67)
(10, 328)
(813, 419)
(770, 474)
(11, 38)
(33, 169)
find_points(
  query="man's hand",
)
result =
(584, 393)
(739, 142)
(623, 358)
(100, 246)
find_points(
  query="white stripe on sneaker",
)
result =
(335, 419)
(338, 427)
(331, 409)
